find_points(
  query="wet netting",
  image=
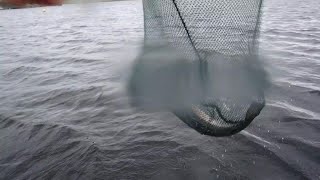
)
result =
(218, 38)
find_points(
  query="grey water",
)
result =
(64, 111)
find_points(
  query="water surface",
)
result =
(64, 112)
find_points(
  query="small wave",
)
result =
(41, 151)
(80, 26)
(305, 126)
(271, 154)
(21, 70)
(315, 92)
(67, 97)
(58, 78)
(246, 133)
(6, 122)
(311, 149)
(296, 109)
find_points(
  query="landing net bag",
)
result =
(200, 61)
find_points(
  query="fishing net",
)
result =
(217, 84)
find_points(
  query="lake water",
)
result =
(64, 112)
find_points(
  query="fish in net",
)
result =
(200, 61)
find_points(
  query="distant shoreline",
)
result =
(8, 7)
(25, 7)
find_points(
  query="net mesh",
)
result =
(221, 35)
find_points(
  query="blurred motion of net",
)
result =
(200, 61)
